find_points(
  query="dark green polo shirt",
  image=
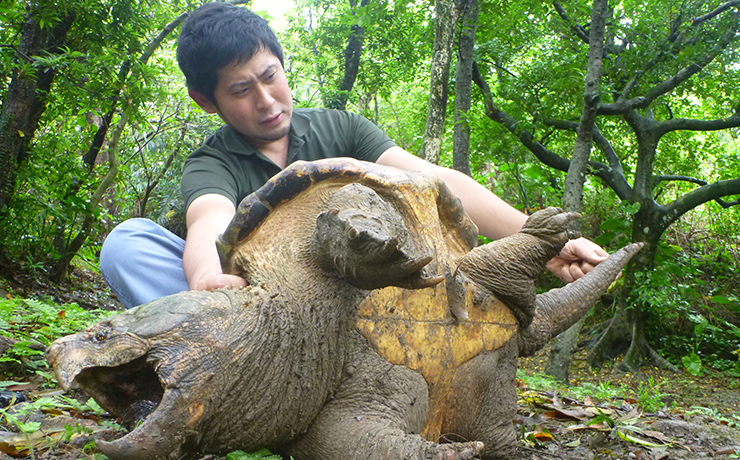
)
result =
(229, 165)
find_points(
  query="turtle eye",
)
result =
(101, 335)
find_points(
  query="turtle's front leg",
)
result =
(376, 414)
(338, 435)
(365, 240)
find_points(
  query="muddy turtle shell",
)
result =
(414, 328)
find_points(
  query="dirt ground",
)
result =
(699, 417)
(695, 418)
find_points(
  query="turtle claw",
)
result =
(366, 241)
(456, 293)
(419, 281)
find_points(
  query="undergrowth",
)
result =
(32, 325)
(648, 395)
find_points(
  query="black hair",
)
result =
(216, 35)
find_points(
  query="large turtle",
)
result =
(305, 360)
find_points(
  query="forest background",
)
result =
(628, 111)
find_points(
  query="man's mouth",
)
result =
(272, 120)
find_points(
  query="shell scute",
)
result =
(286, 186)
(251, 212)
(344, 171)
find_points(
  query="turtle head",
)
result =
(132, 364)
(103, 360)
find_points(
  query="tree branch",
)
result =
(574, 180)
(686, 124)
(623, 105)
(613, 178)
(720, 9)
(578, 29)
(673, 177)
(685, 203)
(62, 264)
(510, 123)
(601, 142)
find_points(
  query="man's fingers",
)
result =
(586, 267)
(587, 250)
(231, 281)
(220, 281)
(575, 271)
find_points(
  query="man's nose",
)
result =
(264, 98)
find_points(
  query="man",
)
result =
(233, 65)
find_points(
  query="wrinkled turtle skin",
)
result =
(370, 328)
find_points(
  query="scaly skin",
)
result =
(509, 267)
(376, 414)
(281, 364)
(229, 376)
(559, 309)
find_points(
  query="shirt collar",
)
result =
(299, 123)
(236, 143)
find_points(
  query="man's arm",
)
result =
(207, 217)
(495, 218)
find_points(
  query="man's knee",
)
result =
(142, 261)
(125, 242)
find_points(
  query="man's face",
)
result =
(253, 97)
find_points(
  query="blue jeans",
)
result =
(142, 261)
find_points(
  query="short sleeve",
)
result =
(370, 141)
(205, 173)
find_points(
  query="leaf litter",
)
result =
(603, 415)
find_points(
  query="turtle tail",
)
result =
(558, 309)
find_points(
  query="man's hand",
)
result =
(219, 281)
(576, 259)
(208, 216)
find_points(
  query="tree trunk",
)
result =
(633, 100)
(627, 329)
(469, 10)
(444, 36)
(100, 135)
(561, 355)
(615, 338)
(153, 182)
(25, 100)
(352, 53)
(61, 267)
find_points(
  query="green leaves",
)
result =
(618, 227)
(33, 324)
(730, 301)
(262, 454)
(693, 364)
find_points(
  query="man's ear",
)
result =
(202, 101)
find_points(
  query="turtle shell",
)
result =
(413, 328)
